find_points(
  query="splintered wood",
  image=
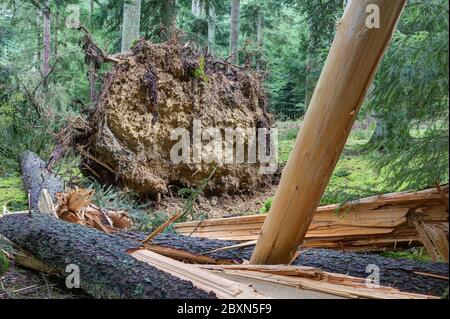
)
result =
(201, 279)
(374, 223)
(313, 279)
(76, 207)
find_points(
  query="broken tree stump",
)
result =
(348, 72)
(36, 177)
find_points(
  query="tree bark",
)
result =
(211, 27)
(234, 33)
(56, 33)
(195, 7)
(131, 23)
(169, 15)
(260, 38)
(38, 38)
(333, 109)
(35, 177)
(106, 269)
(47, 44)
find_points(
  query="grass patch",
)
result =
(414, 253)
(353, 178)
(4, 263)
(12, 195)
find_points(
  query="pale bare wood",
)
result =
(316, 280)
(45, 203)
(431, 275)
(223, 288)
(24, 258)
(373, 223)
(161, 228)
(237, 246)
(181, 255)
(346, 77)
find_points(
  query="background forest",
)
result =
(399, 142)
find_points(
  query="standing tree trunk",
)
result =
(336, 101)
(47, 44)
(260, 38)
(234, 34)
(38, 38)
(169, 16)
(92, 75)
(211, 27)
(195, 8)
(56, 33)
(131, 23)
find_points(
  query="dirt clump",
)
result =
(156, 90)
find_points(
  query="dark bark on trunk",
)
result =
(56, 33)
(398, 273)
(47, 45)
(211, 27)
(260, 39)
(35, 176)
(106, 269)
(130, 24)
(169, 16)
(234, 33)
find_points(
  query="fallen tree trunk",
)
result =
(370, 224)
(106, 268)
(398, 273)
(108, 272)
(36, 177)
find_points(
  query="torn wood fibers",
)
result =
(387, 221)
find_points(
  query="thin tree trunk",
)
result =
(336, 101)
(38, 38)
(47, 44)
(56, 32)
(234, 34)
(260, 38)
(92, 77)
(91, 12)
(169, 16)
(211, 27)
(131, 23)
(195, 7)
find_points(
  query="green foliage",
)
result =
(12, 195)
(113, 198)
(199, 73)
(266, 207)
(414, 253)
(410, 95)
(4, 263)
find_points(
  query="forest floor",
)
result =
(354, 177)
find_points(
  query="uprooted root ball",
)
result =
(160, 88)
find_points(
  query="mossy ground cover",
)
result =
(354, 176)
(12, 196)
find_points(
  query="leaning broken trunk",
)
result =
(161, 95)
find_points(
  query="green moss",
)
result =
(199, 73)
(445, 294)
(265, 209)
(12, 196)
(415, 254)
(4, 263)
